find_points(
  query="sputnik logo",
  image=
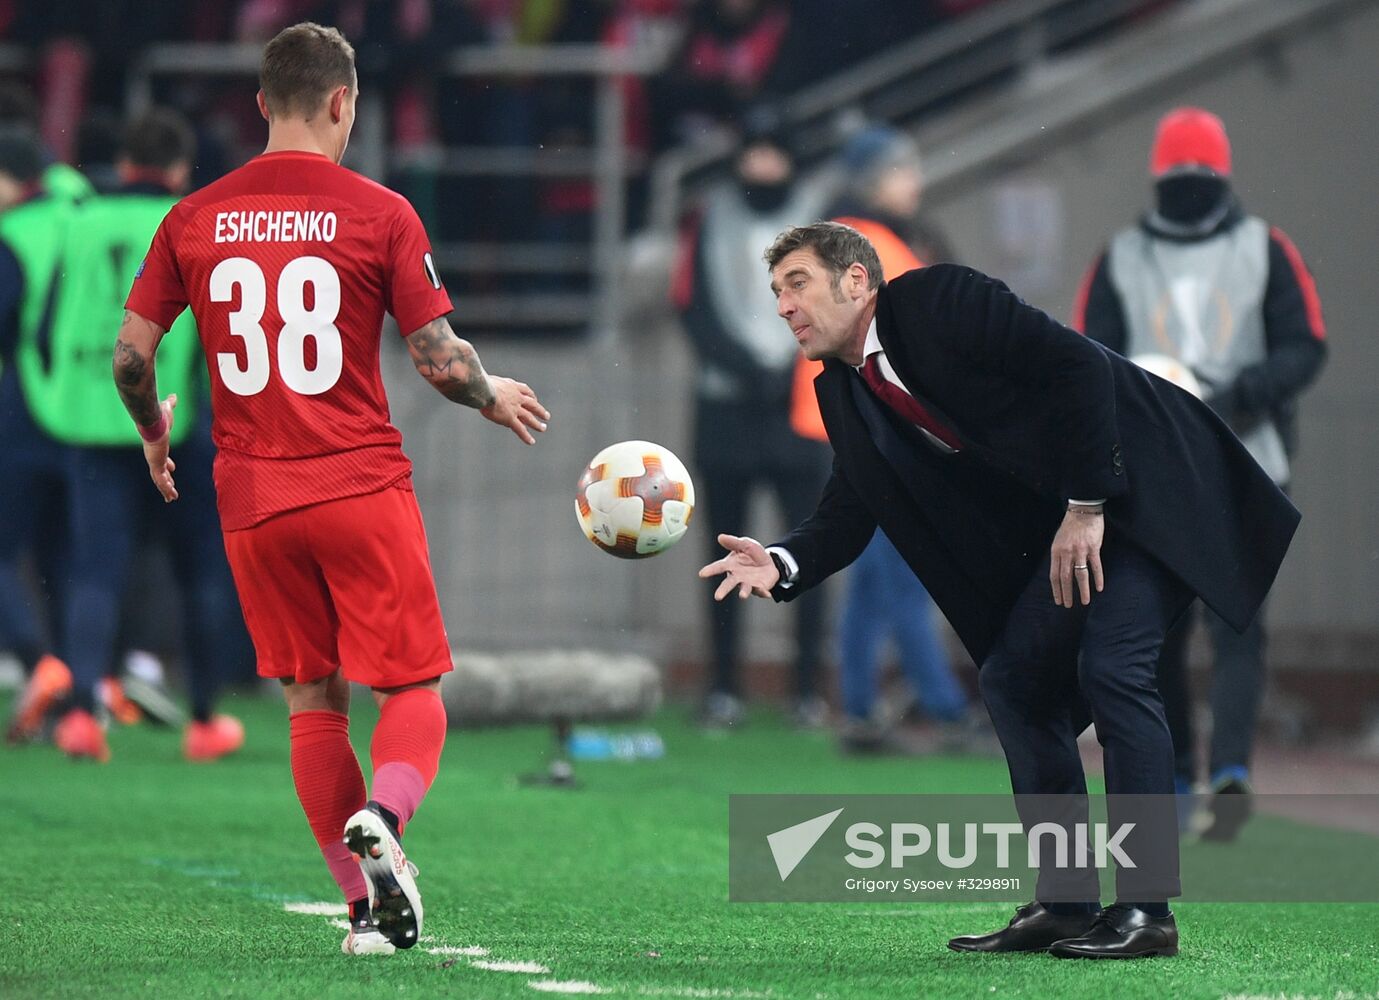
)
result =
(789, 846)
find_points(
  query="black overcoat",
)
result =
(1045, 415)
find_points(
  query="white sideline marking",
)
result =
(528, 967)
(571, 986)
(695, 993)
(318, 909)
(337, 911)
(700, 993)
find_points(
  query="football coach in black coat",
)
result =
(1060, 504)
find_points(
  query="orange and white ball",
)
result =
(635, 499)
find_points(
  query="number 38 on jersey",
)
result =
(300, 324)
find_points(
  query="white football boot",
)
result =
(365, 938)
(391, 878)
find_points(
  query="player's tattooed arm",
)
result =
(450, 364)
(133, 366)
(134, 369)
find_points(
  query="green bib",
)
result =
(66, 183)
(110, 234)
(35, 231)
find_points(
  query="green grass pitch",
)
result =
(154, 878)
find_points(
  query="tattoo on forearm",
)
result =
(450, 364)
(134, 378)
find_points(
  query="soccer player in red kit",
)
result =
(288, 265)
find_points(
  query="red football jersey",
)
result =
(288, 265)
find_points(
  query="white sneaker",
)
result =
(391, 878)
(365, 938)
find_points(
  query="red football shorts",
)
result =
(346, 583)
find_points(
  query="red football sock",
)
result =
(330, 787)
(406, 750)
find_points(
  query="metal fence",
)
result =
(607, 163)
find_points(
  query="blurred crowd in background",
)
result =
(727, 53)
(722, 56)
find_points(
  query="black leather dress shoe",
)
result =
(1033, 928)
(1122, 932)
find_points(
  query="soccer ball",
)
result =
(634, 500)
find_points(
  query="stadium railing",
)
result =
(906, 81)
(607, 163)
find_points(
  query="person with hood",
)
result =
(1227, 297)
(881, 199)
(743, 433)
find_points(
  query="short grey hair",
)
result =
(837, 245)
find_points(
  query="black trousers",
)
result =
(726, 492)
(1055, 669)
(111, 500)
(1237, 689)
(33, 527)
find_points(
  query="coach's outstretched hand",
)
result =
(160, 463)
(748, 567)
(515, 406)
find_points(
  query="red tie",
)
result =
(904, 404)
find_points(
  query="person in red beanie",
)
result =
(1190, 141)
(1227, 297)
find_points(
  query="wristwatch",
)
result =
(781, 568)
